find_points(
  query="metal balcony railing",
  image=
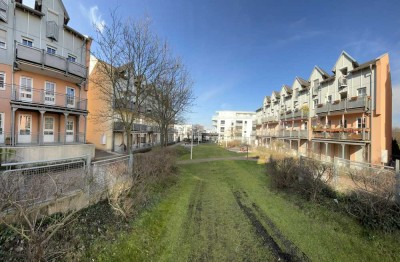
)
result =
(3, 10)
(28, 138)
(342, 81)
(360, 134)
(41, 57)
(25, 94)
(345, 104)
(52, 30)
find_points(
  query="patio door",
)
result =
(1, 128)
(70, 131)
(70, 97)
(49, 93)
(25, 90)
(48, 131)
(25, 128)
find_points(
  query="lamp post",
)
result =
(191, 145)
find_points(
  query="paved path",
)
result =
(201, 160)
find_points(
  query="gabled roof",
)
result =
(287, 89)
(323, 72)
(276, 94)
(267, 99)
(344, 53)
(364, 65)
(303, 82)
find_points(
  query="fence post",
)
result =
(398, 181)
(89, 178)
(130, 164)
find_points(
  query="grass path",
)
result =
(224, 211)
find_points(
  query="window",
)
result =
(51, 50)
(49, 95)
(27, 42)
(222, 122)
(329, 99)
(362, 91)
(1, 125)
(71, 58)
(3, 39)
(70, 97)
(315, 103)
(361, 122)
(343, 124)
(48, 125)
(222, 129)
(25, 91)
(2, 81)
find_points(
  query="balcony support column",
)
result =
(343, 121)
(343, 145)
(84, 129)
(41, 132)
(65, 127)
(13, 142)
(77, 129)
(326, 150)
(290, 144)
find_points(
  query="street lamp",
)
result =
(191, 145)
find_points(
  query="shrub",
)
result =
(283, 172)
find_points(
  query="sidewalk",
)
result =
(203, 160)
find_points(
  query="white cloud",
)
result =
(93, 15)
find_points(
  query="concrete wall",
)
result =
(41, 153)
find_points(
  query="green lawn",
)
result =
(225, 211)
(209, 151)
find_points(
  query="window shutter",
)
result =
(3, 35)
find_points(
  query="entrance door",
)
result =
(48, 131)
(70, 97)
(1, 128)
(49, 93)
(25, 90)
(70, 131)
(25, 127)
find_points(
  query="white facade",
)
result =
(182, 132)
(234, 125)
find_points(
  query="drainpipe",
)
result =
(371, 112)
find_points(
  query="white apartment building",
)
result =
(234, 125)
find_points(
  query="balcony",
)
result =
(361, 102)
(3, 10)
(41, 99)
(35, 59)
(52, 31)
(297, 114)
(28, 138)
(352, 134)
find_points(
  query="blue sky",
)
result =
(238, 51)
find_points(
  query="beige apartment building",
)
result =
(106, 131)
(346, 114)
(43, 81)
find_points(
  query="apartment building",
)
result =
(344, 114)
(233, 125)
(43, 81)
(106, 130)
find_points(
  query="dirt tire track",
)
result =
(290, 251)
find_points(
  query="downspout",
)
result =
(13, 72)
(372, 107)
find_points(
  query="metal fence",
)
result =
(348, 176)
(45, 182)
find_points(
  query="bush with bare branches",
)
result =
(372, 201)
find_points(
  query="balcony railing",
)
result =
(46, 138)
(3, 10)
(36, 96)
(345, 104)
(343, 134)
(299, 114)
(41, 57)
(118, 126)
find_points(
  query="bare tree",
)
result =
(130, 57)
(171, 97)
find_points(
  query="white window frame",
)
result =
(27, 40)
(3, 86)
(70, 104)
(53, 50)
(70, 132)
(47, 129)
(4, 43)
(30, 124)
(360, 122)
(22, 89)
(329, 100)
(364, 93)
(52, 100)
(70, 57)
(315, 103)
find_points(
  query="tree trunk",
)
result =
(162, 136)
(128, 140)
